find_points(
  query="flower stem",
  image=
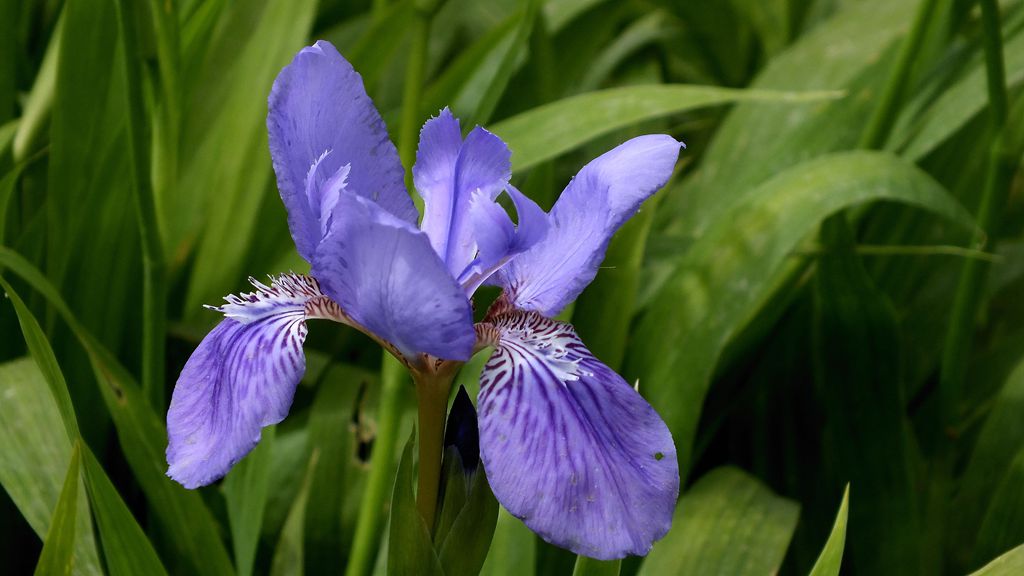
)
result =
(1001, 166)
(432, 401)
(154, 293)
(372, 508)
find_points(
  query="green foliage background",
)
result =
(830, 292)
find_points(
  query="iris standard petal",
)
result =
(320, 112)
(385, 275)
(605, 193)
(447, 173)
(241, 377)
(570, 447)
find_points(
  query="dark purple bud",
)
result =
(461, 431)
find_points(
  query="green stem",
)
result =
(154, 290)
(372, 508)
(432, 401)
(1000, 168)
(884, 117)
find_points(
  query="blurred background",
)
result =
(827, 294)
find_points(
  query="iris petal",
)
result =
(319, 112)
(385, 275)
(570, 447)
(447, 174)
(498, 240)
(605, 193)
(241, 377)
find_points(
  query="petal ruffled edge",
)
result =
(241, 377)
(319, 116)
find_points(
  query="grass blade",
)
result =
(547, 131)
(125, 546)
(58, 555)
(831, 557)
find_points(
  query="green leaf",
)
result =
(461, 84)
(410, 551)
(245, 493)
(376, 48)
(330, 434)
(453, 492)
(831, 557)
(604, 311)
(89, 204)
(720, 281)
(45, 359)
(8, 184)
(142, 435)
(35, 114)
(547, 131)
(993, 457)
(288, 555)
(590, 567)
(35, 456)
(464, 550)
(642, 32)
(1009, 564)
(513, 549)
(955, 106)
(58, 556)
(1003, 524)
(225, 133)
(761, 139)
(127, 550)
(857, 371)
(727, 523)
(483, 109)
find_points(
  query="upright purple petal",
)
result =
(605, 193)
(241, 378)
(447, 174)
(570, 447)
(319, 113)
(385, 275)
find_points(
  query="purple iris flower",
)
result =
(567, 444)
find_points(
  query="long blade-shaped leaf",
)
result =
(58, 556)
(245, 491)
(35, 456)
(722, 278)
(127, 550)
(546, 131)
(831, 557)
(727, 523)
(141, 432)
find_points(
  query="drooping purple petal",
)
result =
(447, 173)
(498, 240)
(241, 377)
(605, 193)
(385, 275)
(319, 113)
(570, 447)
